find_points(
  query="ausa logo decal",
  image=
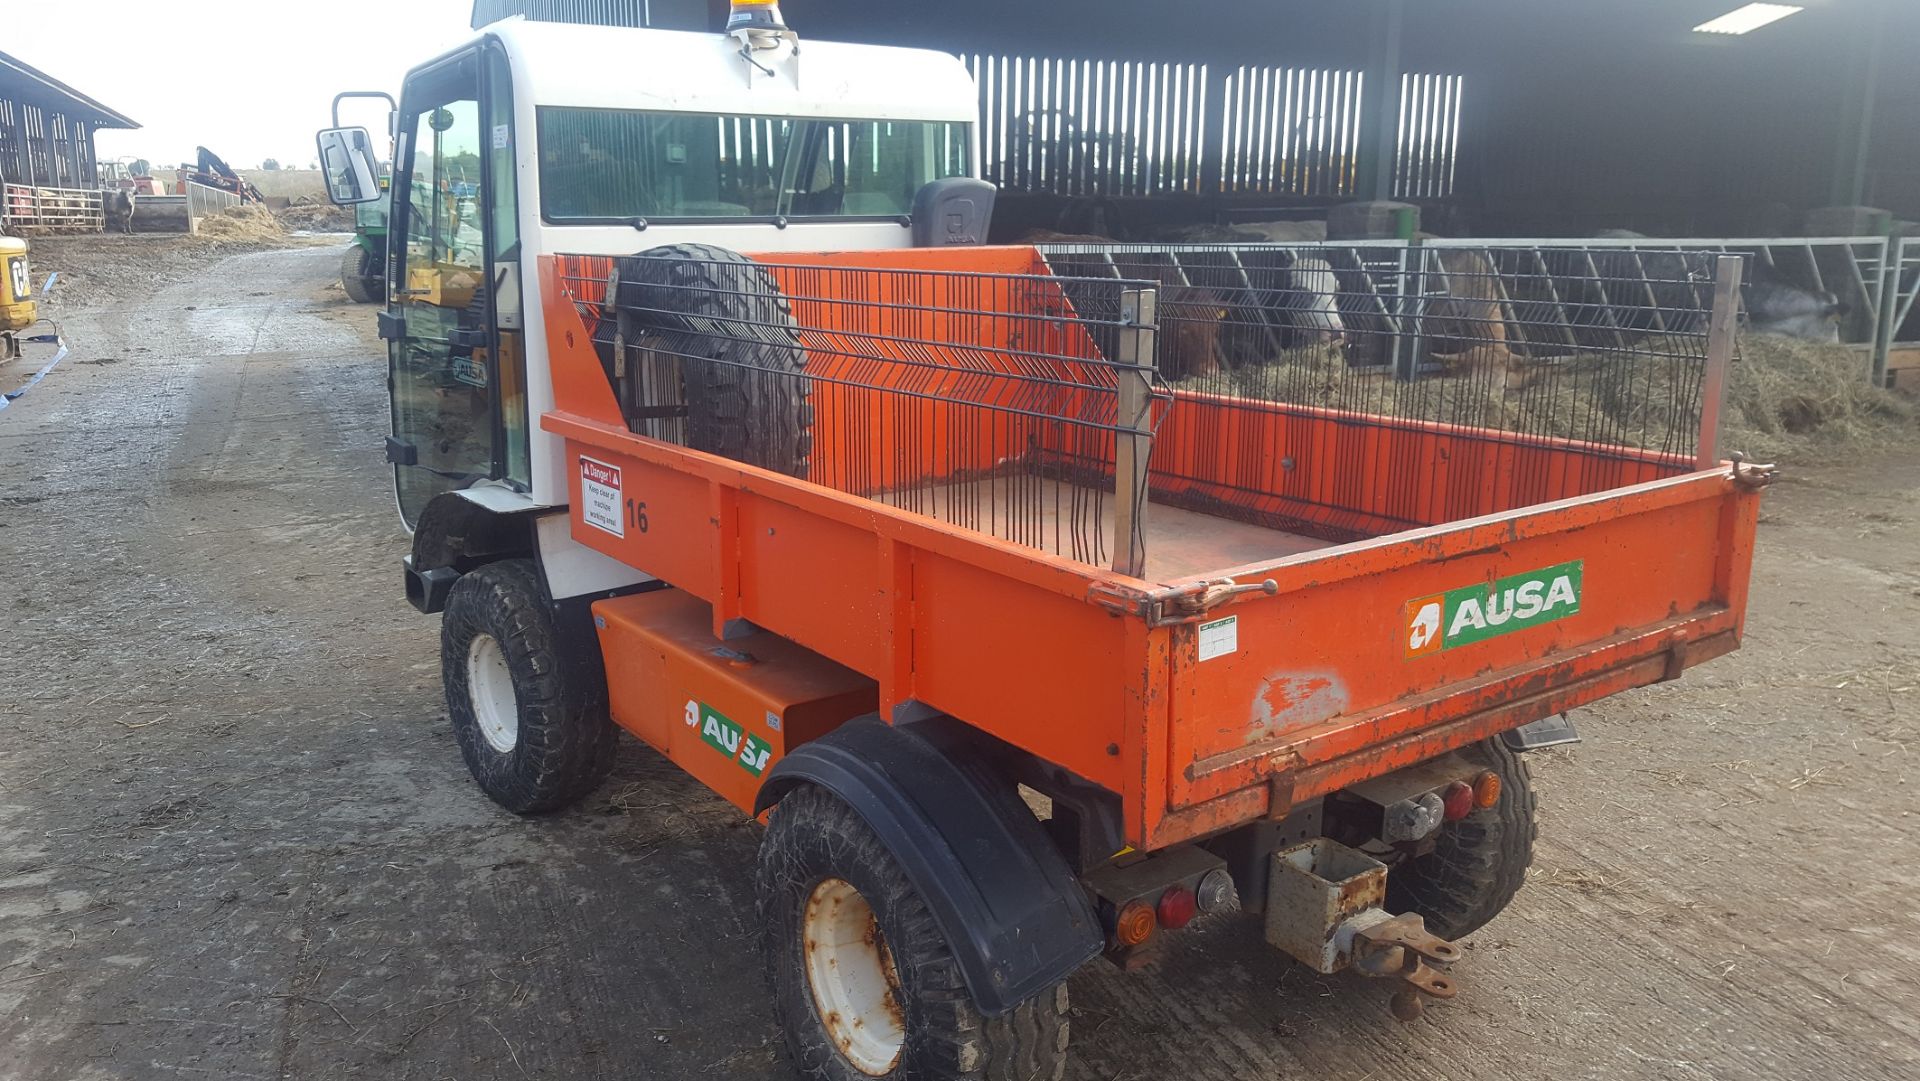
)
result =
(1461, 617)
(748, 751)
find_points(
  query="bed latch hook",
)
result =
(1220, 591)
(1752, 476)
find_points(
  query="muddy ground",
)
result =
(236, 840)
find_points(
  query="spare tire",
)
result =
(742, 367)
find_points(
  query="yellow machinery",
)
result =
(16, 295)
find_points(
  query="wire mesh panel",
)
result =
(986, 400)
(1090, 127)
(1355, 390)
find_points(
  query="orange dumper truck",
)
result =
(1039, 600)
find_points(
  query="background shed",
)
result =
(47, 129)
(1502, 117)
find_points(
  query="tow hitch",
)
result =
(1324, 909)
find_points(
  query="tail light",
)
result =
(1486, 790)
(1216, 890)
(1457, 801)
(1176, 908)
(1134, 924)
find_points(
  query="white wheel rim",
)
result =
(490, 691)
(855, 986)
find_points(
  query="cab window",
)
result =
(604, 165)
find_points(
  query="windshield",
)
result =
(617, 165)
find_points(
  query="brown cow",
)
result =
(1190, 319)
(1465, 325)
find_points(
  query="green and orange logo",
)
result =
(748, 751)
(1461, 617)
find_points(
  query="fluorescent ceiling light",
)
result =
(1749, 18)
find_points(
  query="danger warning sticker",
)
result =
(600, 497)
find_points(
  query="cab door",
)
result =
(455, 366)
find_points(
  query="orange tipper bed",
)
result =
(1207, 695)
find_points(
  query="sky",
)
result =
(249, 81)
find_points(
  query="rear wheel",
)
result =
(863, 983)
(532, 737)
(362, 276)
(1480, 862)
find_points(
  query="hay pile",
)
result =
(1798, 400)
(249, 223)
(317, 216)
(1788, 400)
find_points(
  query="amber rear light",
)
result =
(1486, 790)
(1134, 924)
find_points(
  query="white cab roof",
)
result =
(672, 71)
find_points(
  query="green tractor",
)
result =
(363, 267)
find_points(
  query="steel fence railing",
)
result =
(1901, 289)
(1850, 269)
(1599, 346)
(33, 209)
(1846, 285)
(203, 201)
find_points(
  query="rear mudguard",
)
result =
(1001, 893)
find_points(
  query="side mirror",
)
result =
(348, 163)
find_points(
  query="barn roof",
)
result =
(22, 82)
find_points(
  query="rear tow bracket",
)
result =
(1324, 908)
(1399, 948)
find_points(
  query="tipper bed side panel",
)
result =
(1369, 642)
(1343, 477)
(1001, 636)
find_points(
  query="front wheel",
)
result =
(362, 275)
(863, 983)
(533, 737)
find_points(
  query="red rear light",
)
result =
(1176, 908)
(1457, 801)
(1134, 924)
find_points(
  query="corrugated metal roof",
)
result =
(23, 82)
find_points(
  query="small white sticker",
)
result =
(499, 136)
(1219, 638)
(600, 497)
(773, 720)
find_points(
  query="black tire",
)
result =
(742, 366)
(816, 838)
(364, 284)
(563, 741)
(1479, 862)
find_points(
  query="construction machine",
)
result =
(715, 423)
(212, 171)
(17, 308)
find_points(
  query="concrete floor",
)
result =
(236, 839)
